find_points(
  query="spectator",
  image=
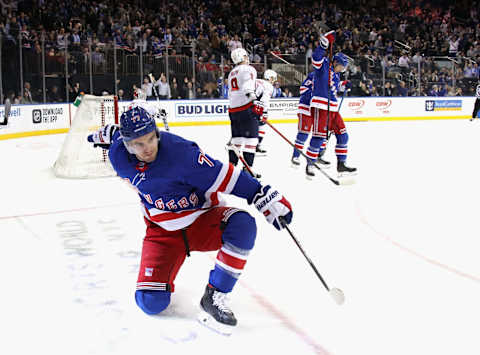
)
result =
(147, 87)
(175, 91)
(277, 90)
(121, 95)
(163, 88)
(402, 89)
(27, 94)
(190, 92)
(54, 95)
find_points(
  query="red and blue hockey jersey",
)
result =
(322, 89)
(306, 95)
(181, 183)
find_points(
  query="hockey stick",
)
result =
(336, 182)
(7, 107)
(164, 117)
(337, 294)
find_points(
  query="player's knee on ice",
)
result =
(240, 231)
(152, 302)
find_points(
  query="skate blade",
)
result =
(257, 154)
(208, 321)
(294, 166)
(309, 177)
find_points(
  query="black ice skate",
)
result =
(295, 162)
(310, 171)
(259, 151)
(323, 163)
(215, 313)
(344, 170)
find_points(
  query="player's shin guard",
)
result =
(239, 238)
(341, 149)
(314, 148)
(299, 143)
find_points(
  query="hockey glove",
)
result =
(344, 85)
(330, 36)
(273, 206)
(258, 107)
(264, 117)
(103, 137)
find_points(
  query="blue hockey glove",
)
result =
(273, 206)
(103, 137)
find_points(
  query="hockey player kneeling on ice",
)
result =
(180, 189)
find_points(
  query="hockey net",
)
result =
(78, 158)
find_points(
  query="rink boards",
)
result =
(40, 119)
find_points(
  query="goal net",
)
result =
(78, 158)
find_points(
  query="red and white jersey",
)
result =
(264, 91)
(150, 108)
(241, 85)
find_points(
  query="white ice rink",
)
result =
(402, 243)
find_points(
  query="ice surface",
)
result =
(402, 244)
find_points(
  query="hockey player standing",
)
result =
(243, 121)
(264, 92)
(324, 105)
(476, 107)
(180, 189)
(304, 118)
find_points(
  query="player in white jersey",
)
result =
(264, 92)
(476, 108)
(241, 94)
(139, 100)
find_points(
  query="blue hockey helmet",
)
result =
(341, 59)
(135, 123)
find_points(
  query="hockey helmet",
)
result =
(136, 123)
(139, 94)
(341, 59)
(238, 55)
(270, 75)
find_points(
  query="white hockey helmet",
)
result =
(238, 55)
(139, 94)
(270, 75)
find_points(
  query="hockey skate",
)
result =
(295, 162)
(260, 152)
(344, 170)
(310, 171)
(323, 163)
(215, 313)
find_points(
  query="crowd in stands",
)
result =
(388, 42)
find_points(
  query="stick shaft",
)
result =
(336, 182)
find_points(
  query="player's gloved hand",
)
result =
(103, 137)
(264, 117)
(258, 107)
(324, 42)
(163, 113)
(330, 36)
(345, 85)
(273, 206)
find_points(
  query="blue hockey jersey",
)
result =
(321, 89)
(181, 183)
(306, 95)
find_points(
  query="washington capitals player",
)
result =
(243, 121)
(476, 108)
(264, 92)
(180, 189)
(324, 106)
